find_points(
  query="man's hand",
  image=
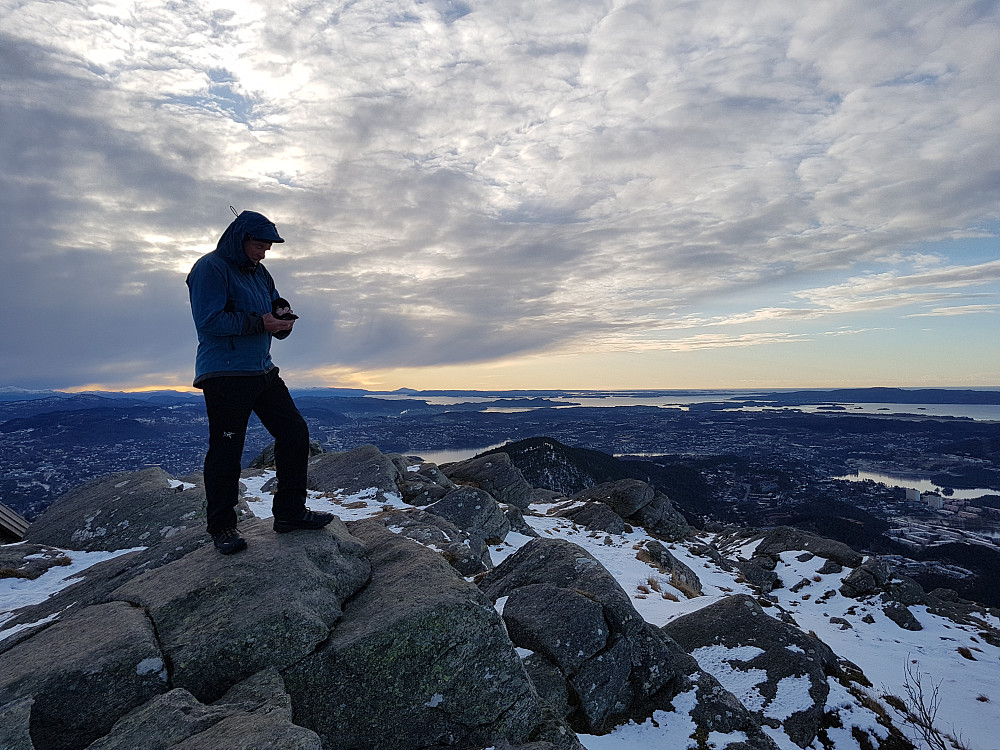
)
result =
(273, 325)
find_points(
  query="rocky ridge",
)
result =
(454, 606)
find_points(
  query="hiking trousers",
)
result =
(229, 401)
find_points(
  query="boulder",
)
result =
(474, 511)
(424, 483)
(561, 624)
(902, 616)
(466, 554)
(420, 659)
(120, 511)
(566, 565)
(516, 520)
(256, 713)
(904, 590)
(221, 619)
(494, 473)
(680, 574)
(83, 673)
(757, 575)
(354, 471)
(595, 516)
(777, 652)
(866, 579)
(593, 658)
(625, 497)
(661, 519)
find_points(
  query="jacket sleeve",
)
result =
(208, 291)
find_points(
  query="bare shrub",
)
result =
(919, 709)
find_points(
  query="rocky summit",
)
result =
(460, 606)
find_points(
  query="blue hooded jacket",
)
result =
(229, 294)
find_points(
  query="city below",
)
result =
(913, 474)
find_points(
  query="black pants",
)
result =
(229, 401)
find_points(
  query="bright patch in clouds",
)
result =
(462, 185)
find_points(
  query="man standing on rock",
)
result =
(237, 312)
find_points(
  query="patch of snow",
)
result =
(13, 630)
(664, 729)
(150, 666)
(16, 593)
(718, 662)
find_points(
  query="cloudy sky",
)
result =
(508, 194)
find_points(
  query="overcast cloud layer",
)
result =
(509, 192)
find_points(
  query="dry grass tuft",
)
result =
(966, 653)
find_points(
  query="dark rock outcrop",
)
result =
(15, 724)
(495, 474)
(902, 616)
(424, 486)
(625, 497)
(866, 579)
(639, 504)
(661, 519)
(29, 561)
(83, 673)
(474, 511)
(421, 658)
(786, 538)
(220, 621)
(594, 659)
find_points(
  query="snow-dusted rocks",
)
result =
(475, 511)
(352, 471)
(494, 473)
(293, 644)
(120, 511)
(640, 504)
(29, 560)
(466, 554)
(595, 516)
(791, 667)
(680, 574)
(595, 660)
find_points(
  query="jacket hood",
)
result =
(251, 223)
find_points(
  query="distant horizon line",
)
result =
(188, 390)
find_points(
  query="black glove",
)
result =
(277, 305)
